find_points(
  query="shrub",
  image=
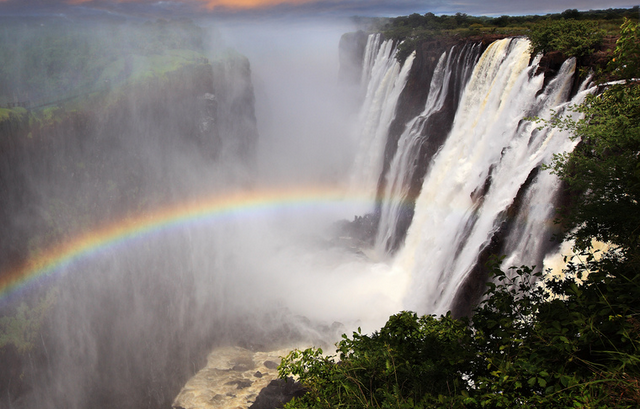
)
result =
(571, 37)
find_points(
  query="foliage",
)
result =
(416, 25)
(626, 56)
(604, 169)
(576, 33)
(573, 38)
(578, 348)
(410, 357)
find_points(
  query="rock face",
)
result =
(435, 130)
(351, 52)
(235, 377)
(235, 106)
(117, 150)
(94, 161)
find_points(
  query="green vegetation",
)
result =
(535, 341)
(46, 61)
(7, 113)
(604, 168)
(626, 56)
(522, 349)
(416, 25)
(573, 32)
(573, 38)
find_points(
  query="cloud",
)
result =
(201, 4)
(277, 8)
(249, 4)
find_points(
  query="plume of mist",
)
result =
(133, 321)
(303, 113)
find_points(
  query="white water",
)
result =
(453, 220)
(370, 53)
(387, 79)
(526, 242)
(398, 178)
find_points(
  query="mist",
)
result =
(128, 324)
(303, 113)
(307, 122)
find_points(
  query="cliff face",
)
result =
(427, 121)
(234, 115)
(436, 129)
(351, 53)
(118, 151)
(72, 167)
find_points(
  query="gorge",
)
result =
(168, 214)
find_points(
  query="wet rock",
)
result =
(240, 384)
(234, 377)
(277, 394)
(270, 364)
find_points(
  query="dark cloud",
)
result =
(327, 8)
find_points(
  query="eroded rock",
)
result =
(234, 377)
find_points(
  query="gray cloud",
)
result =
(327, 8)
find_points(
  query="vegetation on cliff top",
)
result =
(463, 25)
(575, 33)
(535, 341)
(46, 61)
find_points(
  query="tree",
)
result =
(570, 14)
(576, 349)
(571, 37)
(603, 171)
(626, 56)
(409, 359)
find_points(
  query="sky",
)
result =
(229, 9)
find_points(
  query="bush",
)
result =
(571, 37)
(626, 56)
(523, 348)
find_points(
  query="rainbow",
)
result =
(197, 211)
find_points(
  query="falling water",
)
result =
(398, 179)
(488, 156)
(371, 51)
(387, 80)
(532, 234)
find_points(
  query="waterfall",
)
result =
(370, 52)
(529, 239)
(453, 67)
(488, 156)
(386, 80)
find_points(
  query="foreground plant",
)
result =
(522, 349)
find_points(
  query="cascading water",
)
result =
(394, 199)
(387, 79)
(371, 51)
(532, 234)
(486, 159)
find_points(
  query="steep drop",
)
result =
(489, 154)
